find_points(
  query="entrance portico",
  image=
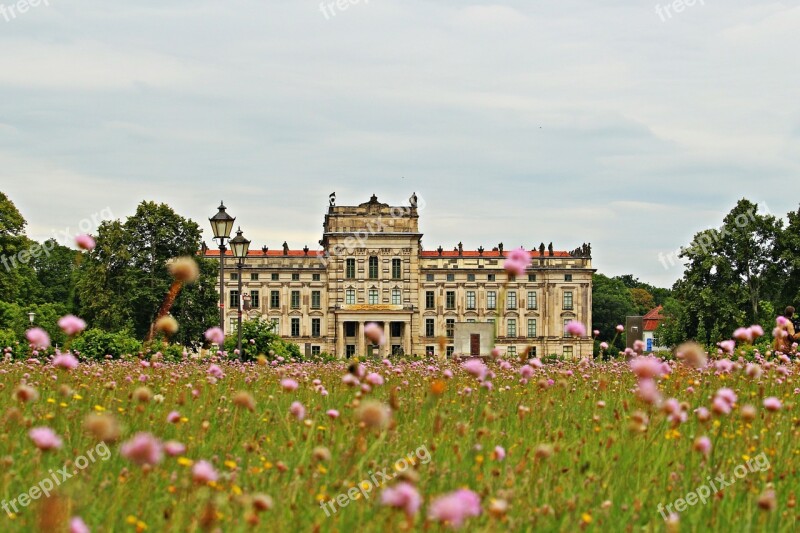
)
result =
(393, 319)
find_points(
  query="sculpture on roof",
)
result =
(413, 199)
(332, 199)
(550, 249)
(285, 248)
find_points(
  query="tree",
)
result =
(123, 281)
(611, 303)
(642, 300)
(55, 272)
(787, 270)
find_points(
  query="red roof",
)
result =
(486, 253)
(270, 253)
(653, 318)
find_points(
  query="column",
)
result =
(407, 348)
(361, 343)
(340, 351)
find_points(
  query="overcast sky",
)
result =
(573, 121)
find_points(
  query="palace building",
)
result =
(371, 267)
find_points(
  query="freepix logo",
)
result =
(10, 12)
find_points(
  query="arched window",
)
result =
(373, 267)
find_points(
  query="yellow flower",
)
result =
(185, 461)
(50, 400)
(230, 464)
(587, 518)
(77, 397)
(99, 408)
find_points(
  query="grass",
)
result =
(572, 462)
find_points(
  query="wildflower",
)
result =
(184, 269)
(455, 507)
(215, 371)
(499, 453)
(71, 325)
(375, 333)
(475, 367)
(604, 346)
(646, 367)
(215, 336)
(526, 371)
(244, 399)
(321, 453)
(142, 395)
(767, 500)
(174, 448)
(102, 427)
(749, 413)
(67, 361)
(203, 472)
(45, 438)
(727, 346)
(620, 328)
(174, 417)
(85, 242)
(26, 393)
(543, 451)
(262, 502)
(692, 354)
(167, 325)
(702, 445)
(38, 338)
(402, 496)
(143, 449)
(77, 525)
(517, 261)
(297, 410)
(373, 414)
(575, 328)
(332, 413)
(498, 507)
(772, 404)
(289, 384)
(753, 370)
(374, 379)
(648, 391)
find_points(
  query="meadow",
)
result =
(219, 445)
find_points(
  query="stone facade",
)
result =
(371, 267)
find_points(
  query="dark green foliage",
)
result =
(96, 344)
(264, 342)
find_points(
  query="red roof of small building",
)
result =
(653, 318)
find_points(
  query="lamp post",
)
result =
(31, 316)
(240, 246)
(222, 225)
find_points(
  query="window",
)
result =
(295, 327)
(450, 351)
(316, 327)
(316, 299)
(532, 351)
(470, 299)
(350, 296)
(568, 352)
(511, 350)
(373, 296)
(531, 300)
(234, 300)
(490, 320)
(233, 324)
(450, 300)
(512, 277)
(490, 277)
(315, 350)
(275, 276)
(568, 300)
(295, 276)
(566, 321)
(511, 300)
(397, 297)
(274, 299)
(449, 327)
(531, 277)
(470, 320)
(253, 276)
(470, 277)
(430, 350)
(491, 300)
(350, 269)
(350, 350)
(567, 277)
(314, 277)
(234, 276)
(373, 267)
(430, 300)
(430, 327)
(428, 277)
(276, 325)
(451, 277)
(255, 299)
(650, 344)
(295, 299)
(531, 327)
(511, 327)
(350, 329)
(397, 269)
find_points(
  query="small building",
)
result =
(650, 323)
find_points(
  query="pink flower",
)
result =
(702, 445)
(526, 371)
(215, 336)
(620, 328)
(332, 413)
(727, 394)
(648, 391)
(727, 346)
(455, 507)
(720, 406)
(375, 333)
(45, 438)
(402, 496)
(67, 361)
(374, 379)
(604, 346)
(77, 525)
(782, 321)
(174, 417)
(38, 338)
(297, 410)
(743, 334)
(143, 449)
(475, 367)
(646, 367)
(576, 329)
(85, 242)
(499, 453)
(71, 325)
(756, 331)
(772, 404)
(517, 261)
(215, 371)
(174, 448)
(289, 385)
(203, 472)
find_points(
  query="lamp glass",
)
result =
(222, 223)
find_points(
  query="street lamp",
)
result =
(31, 316)
(221, 225)
(240, 246)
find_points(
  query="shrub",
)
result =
(96, 344)
(259, 338)
(169, 352)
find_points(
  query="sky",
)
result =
(630, 124)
